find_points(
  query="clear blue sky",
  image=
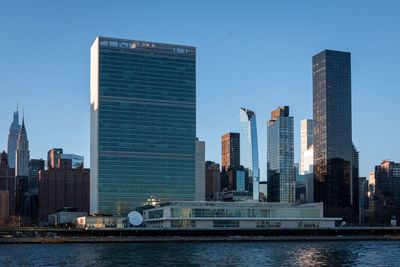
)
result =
(254, 54)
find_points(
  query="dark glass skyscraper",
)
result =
(143, 124)
(333, 151)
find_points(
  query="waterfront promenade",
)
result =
(65, 235)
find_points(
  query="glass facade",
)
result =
(77, 160)
(270, 212)
(143, 124)
(280, 158)
(240, 180)
(306, 130)
(333, 132)
(249, 148)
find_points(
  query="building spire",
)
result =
(23, 115)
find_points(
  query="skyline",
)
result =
(59, 83)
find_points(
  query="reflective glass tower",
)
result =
(143, 124)
(306, 129)
(280, 157)
(13, 139)
(333, 150)
(249, 148)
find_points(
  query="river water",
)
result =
(348, 253)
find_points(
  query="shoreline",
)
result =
(167, 239)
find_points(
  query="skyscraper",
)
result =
(22, 171)
(53, 157)
(12, 139)
(280, 157)
(333, 151)
(35, 165)
(230, 151)
(143, 124)
(249, 148)
(306, 146)
(22, 153)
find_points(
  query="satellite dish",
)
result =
(135, 218)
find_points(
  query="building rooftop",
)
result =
(127, 44)
(234, 204)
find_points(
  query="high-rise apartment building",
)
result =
(13, 139)
(333, 150)
(230, 150)
(386, 198)
(7, 184)
(35, 165)
(63, 186)
(387, 181)
(143, 123)
(32, 202)
(200, 170)
(371, 184)
(280, 157)
(249, 148)
(306, 146)
(213, 180)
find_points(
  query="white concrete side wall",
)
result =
(200, 170)
(290, 224)
(204, 224)
(327, 224)
(247, 224)
(94, 127)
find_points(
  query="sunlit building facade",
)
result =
(143, 124)
(306, 146)
(280, 157)
(230, 151)
(249, 148)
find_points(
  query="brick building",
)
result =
(63, 186)
(7, 184)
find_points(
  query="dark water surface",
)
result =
(351, 253)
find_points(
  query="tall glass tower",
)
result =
(13, 139)
(333, 151)
(280, 157)
(143, 124)
(306, 144)
(249, 148)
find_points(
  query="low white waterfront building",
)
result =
(208, 215)
(102, 221)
